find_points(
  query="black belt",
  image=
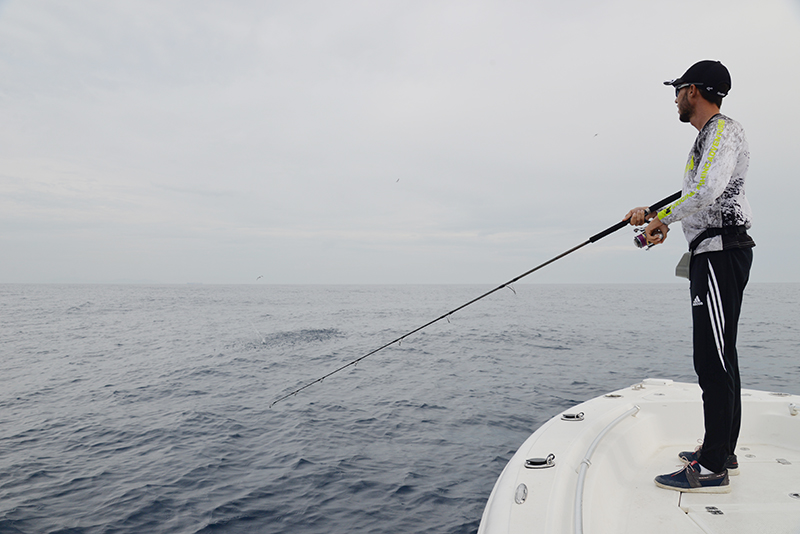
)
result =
(711, 232)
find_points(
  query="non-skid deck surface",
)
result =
(764, 497)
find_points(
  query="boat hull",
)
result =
(601, 477)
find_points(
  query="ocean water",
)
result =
(133, 409)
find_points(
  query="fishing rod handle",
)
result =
(663, 202)
(655, 207)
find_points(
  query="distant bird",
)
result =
(262, 276)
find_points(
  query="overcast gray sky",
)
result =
(374, 141)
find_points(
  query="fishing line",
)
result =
(593, 239)
(263, 339)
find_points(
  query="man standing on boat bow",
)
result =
(715, 216)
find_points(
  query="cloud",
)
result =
(431, 132)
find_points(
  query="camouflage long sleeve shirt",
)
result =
(713, 185)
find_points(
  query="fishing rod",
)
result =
(610, 230)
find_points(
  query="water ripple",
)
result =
(132, 409)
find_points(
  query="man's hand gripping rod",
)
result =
(594, 238)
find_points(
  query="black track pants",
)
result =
(718, 280)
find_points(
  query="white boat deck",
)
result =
(759, 495)
(619, 495)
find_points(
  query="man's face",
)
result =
(685, 108)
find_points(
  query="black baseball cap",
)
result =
(710, 75)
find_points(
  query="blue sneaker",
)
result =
(731, 464)
(689, 480)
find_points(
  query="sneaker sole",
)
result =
(701, 489)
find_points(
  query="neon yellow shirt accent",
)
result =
(703, 175)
